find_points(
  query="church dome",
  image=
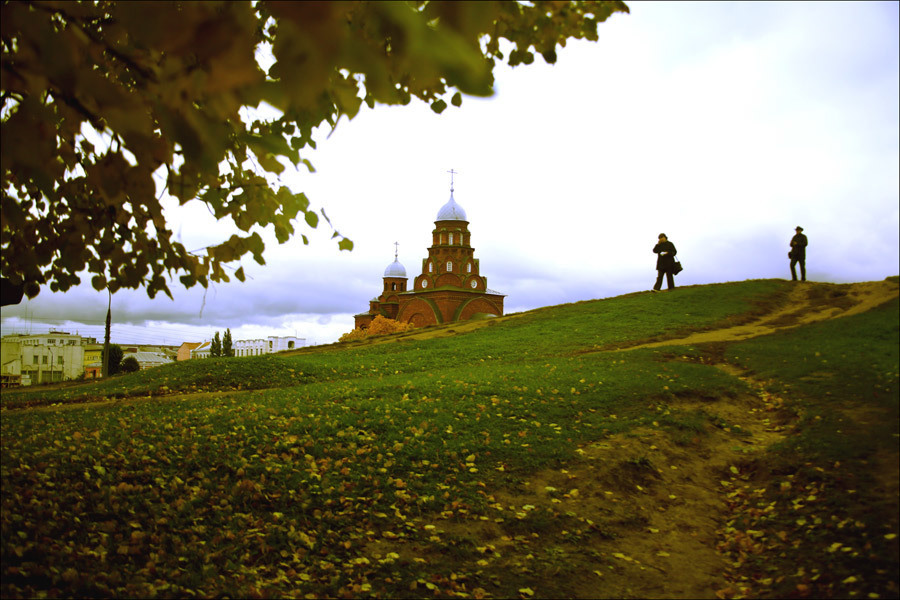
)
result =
(451, 211)
(395, 269)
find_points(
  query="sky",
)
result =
(723, 125)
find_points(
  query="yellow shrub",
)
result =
(380, 325)
(351, 336)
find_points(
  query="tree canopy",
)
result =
(166, 90)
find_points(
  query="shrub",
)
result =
(129, 365)
(381, 325)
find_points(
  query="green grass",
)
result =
(343, 472)
(835, 479)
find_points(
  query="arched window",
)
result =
(393, 286)
(430, 267)
(449, 266)
(469, 268)
(451, 239)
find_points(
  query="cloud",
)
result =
(724, 125)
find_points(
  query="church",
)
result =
(450, 287)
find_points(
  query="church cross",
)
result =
(396, 249)
(452, 173)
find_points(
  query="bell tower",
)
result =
(451, 259)
(450, 287)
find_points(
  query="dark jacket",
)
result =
(798, 247)
(665, 263)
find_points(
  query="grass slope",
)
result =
(405, 468)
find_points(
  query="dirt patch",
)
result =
(807, 303)
(636, 515)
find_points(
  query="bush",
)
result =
(381, 325)
(129, 365)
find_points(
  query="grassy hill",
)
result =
(595, 449)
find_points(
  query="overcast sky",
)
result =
(723, 125)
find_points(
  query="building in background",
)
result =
(43, 358)
(148, 360)
(93, 361)
(201, 351)
(268, 345)
(10, 362)
(450, 287)
(184, 351)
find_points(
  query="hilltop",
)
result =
(727, 440)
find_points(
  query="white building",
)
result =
(201, 351)
(148, 360)
(267, 346)
(43, 358)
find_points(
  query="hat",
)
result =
(799, 228)
(662, 235)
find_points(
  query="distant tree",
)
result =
(115, 358)
(227, 350)
(130, 364)
(215, 348)
(99, 100)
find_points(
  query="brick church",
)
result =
(450, 287)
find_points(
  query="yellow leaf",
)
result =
(526, 591)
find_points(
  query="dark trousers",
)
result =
(670, 279)
(802, 262)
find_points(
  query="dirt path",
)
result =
(658, 503)
(807, 303)
(654, 503)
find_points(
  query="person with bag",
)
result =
(798, 254)
(665, 262)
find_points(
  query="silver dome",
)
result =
(395, 269)
(451, 211)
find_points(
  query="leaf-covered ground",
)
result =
(516, 459)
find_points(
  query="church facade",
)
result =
(450, 287)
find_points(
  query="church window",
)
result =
(449, 266)
(451, 239)
(393, 286)
(430, 267)
(469, 268)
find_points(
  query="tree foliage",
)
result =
(227, 344)
(103, 101)
(215, 347)
(130, 364)
(115, 359)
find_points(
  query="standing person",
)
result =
(665, 262)
(798, 254)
